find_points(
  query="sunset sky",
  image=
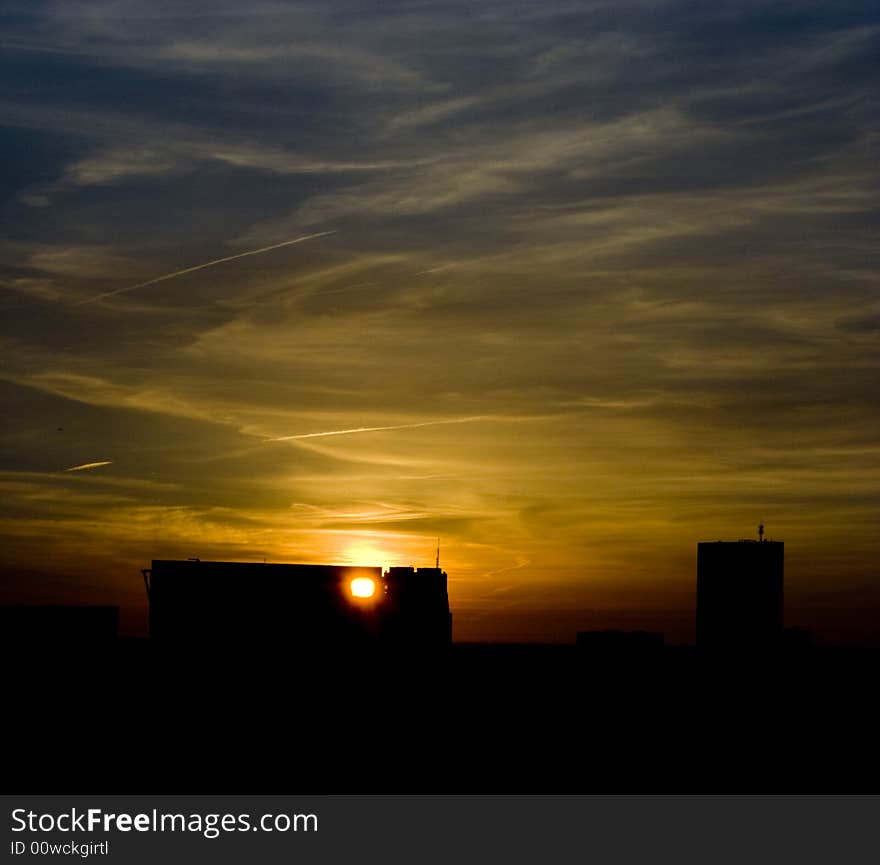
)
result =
(577, 285)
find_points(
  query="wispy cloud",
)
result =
(85, 466)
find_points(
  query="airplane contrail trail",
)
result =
(85, 466)
(362, 429)
(202, 266)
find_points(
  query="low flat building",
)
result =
(242, 604)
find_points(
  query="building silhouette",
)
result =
(418, 606)
(245, 604)
(739, 595)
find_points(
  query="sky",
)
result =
(575, 286)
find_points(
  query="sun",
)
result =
(362, 587)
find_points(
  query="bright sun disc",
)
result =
(363, 587)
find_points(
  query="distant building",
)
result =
(239, 605)
(739, 595)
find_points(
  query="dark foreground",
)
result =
(482, 719)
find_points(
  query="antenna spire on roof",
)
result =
(760, 532)
(437, 562)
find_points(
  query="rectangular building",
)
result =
(739, 595)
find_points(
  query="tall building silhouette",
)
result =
(739, 595)
(419, 606)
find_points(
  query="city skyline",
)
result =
(570, 288)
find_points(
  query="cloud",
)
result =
(363, 429)
(80, 262)
(86, 466)
(174, 274)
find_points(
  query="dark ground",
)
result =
(483, 719)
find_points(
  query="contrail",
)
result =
(85, 466)
(202, 266)
(361, 429)
(434, 269)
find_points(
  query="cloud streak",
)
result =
(86, 466)
(196, 267)
(365, 429)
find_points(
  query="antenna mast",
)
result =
(760, 532)
(437, 562)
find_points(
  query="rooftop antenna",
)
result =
(760, 533)
(437, 562)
